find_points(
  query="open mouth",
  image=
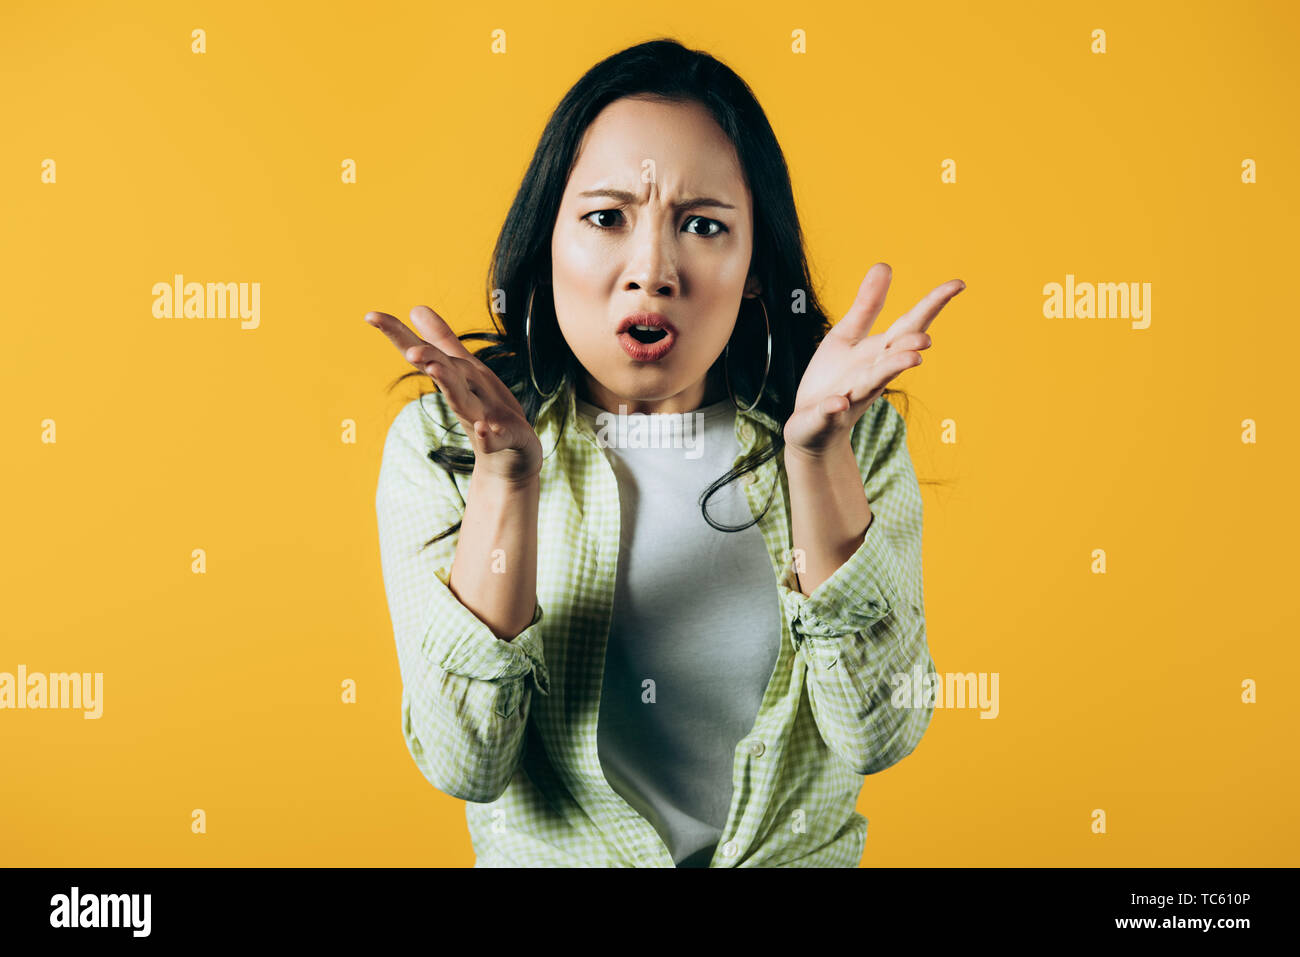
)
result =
(647, 343)
(647, 334)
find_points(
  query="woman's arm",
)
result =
(466, 692)
(857, 603)
(829, 511)
(494, 574)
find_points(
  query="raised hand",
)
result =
(504, 442)
(851, 367)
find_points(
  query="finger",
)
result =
(435, 330)
(398, 334)
(856, 323)
(909, 341)
(919, 317)
(424, 354)
(871, 382)
(467, 406)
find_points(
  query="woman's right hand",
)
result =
(505, 444)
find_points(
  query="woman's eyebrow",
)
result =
(626, 197)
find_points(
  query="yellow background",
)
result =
(222, 691)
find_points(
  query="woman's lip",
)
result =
(647, 351)
(653, 319)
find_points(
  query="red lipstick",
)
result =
(653, 339)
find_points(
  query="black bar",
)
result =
(441, 906)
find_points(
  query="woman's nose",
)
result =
(654, 263)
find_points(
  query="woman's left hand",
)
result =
(851, 368)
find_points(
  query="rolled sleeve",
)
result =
(861, 591)
(458, 642)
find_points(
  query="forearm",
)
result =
(829, 511)
(858, 518)
(494, 571)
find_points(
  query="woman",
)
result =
(603, 671)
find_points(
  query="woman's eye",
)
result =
(701, 219)
(601, 212)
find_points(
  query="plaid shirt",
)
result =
(510, 726)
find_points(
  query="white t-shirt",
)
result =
(696, 626)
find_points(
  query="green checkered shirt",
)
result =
(510, 726)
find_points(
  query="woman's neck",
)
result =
(710, 390)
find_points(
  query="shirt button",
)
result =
(750, 478)
(730, 849)
(746, 431)
(757, 749)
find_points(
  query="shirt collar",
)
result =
(563, 405)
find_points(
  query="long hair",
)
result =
(521, 260)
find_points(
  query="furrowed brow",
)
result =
(623, 196)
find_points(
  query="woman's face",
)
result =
(625, 243)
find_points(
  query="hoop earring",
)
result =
(767, 364)
(528, 345)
